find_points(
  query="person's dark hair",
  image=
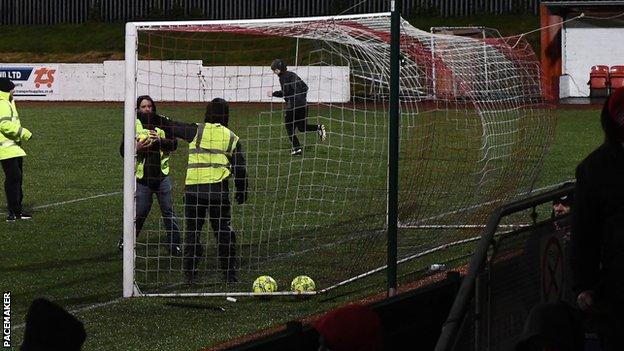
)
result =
(50, 327)
(145, 118)
(566, 200)
(217, 111)
(612, 117)
(278, 64)
(145, 97)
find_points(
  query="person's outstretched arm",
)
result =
(169, 143)
(174, 129)
(239, 167)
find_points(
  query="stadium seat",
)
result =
(599, 81)
(616, 77)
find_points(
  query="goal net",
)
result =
(474, 130)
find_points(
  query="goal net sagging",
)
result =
(474, 129)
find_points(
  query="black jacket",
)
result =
(597, 239)
(599, 196)
(552, 323)
(294, 90)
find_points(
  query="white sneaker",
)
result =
(322, 133)
(296, 152)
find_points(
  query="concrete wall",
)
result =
(184, 81)
(585, 43)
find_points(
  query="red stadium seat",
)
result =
(599, 81)
(616, 77)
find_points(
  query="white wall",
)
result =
(585, 43)
(185, 81)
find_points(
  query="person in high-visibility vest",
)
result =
(12, 134)
(152, 174)
(215, 154)
(294, 91)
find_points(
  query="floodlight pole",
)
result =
(393, 145)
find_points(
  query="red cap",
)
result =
(352, 327)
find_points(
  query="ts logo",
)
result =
(44, 76)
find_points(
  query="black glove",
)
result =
(241, 197)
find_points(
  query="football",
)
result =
(142, 135)
(302, 283)
(264, 283)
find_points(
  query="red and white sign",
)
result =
(552, 270)
(38, 80)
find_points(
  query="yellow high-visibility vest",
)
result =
(164, 155)
(11, 130)
(208, 154)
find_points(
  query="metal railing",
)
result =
(19, 12)
(450, 330)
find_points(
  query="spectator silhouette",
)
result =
(50, 328)
(552, 326)
(560, 208)
(597, 239)
(353, 328)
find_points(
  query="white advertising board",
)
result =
(183, 81)
(32, 80)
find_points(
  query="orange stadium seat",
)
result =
(616, 77)
(599, 81)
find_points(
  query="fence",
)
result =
(15, 12)
(508, 275)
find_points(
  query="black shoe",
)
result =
(12, 217)
(321, 132)
(175, 250)
(296, 151)
(230, 277)
(191, 276)
(120, 244)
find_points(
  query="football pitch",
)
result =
(68, 253)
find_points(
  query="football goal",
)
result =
(474, 128)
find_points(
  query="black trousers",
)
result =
(214, 202)
(296, 119)
(13, 171)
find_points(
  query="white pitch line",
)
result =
(82, 309)
(72, 201)
(552, 186)
(111, 302)
(76, 200)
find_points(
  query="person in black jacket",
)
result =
(552, 326)
(153, 179)
(294, 91)
(597, 238)
(204, 195)
(50, 327)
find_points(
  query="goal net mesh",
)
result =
(474, 128)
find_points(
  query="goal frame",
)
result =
(129, 182)
(392, 38)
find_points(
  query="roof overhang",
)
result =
(583, 3)
(596, 6)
